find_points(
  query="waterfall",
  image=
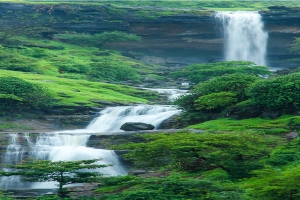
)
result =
(112, 118)
(171, 93)
(55, 146)
(245, 38)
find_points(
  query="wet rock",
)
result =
(168, 123)
(136, 126)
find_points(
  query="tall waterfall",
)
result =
(245, 38)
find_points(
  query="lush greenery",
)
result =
(16, 93)
(202, 72)
(97, 40)
(277, 93)
(235, 94)
(63, 172)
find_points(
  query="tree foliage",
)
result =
(234, 153)
(234, 83)
(162, 188)
(275, 184)
(215, 101)
(277, 93)
(63, 172)
(209, 93)
(202, 72)
(16, 93)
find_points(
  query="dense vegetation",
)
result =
(239, 152)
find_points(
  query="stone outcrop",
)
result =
(136, 126)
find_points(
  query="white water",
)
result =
(55, 147)
(112, 118)
(172, 93)
(245, 38)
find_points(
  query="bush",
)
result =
(236, 154)
(293, 123)
(234, 83)
(25, 95)
(202, 72)
(277, 93)
(113, 72)
(97, 40)
(215, 101)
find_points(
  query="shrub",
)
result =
(26, 95)
(293, 123)
(202, 72)
(234, 153)
(277, 93)
(234, 83)
(215, 101)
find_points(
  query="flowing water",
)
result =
(55, 146)
(245, 38)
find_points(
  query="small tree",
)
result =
(63, 172)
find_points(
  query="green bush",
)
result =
(235, 83)
(75, 68)
(215, 101)
(25, 95)
(164, 188)
(281, 92)
(97, 40)
(113, 72)
(236, 154)
(293, 123)
(202, 72)
(275, 184)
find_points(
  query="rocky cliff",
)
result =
(171, 41)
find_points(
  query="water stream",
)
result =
(56, 146)
(245, 38)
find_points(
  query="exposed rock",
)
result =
(168, 123)
(136, 126)
(138, 172)
(291, 135)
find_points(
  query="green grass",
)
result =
(77, 92)
(175, 4)
(259, 125)
(46, 56)
(13, 126)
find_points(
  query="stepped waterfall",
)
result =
(245, 38)
(60, 145)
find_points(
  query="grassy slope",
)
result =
(74, 92)
(255, 125)
(71, 88)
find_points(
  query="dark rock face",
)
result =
(136, 126)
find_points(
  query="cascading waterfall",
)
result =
(172, 93)
(245, 38)
(112, 118)
(55, 146)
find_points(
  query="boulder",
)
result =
(136, 126)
